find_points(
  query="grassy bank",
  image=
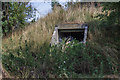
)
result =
(29, 55)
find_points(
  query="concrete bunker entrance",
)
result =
(77, 34)
(69, 31)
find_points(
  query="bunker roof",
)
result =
(71, 26)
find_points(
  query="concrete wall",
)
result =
(54, 39)
(55, 35)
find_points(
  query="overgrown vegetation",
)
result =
(15, 15)
(29, 54)
(60, 61)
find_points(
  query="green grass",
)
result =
(29, 55)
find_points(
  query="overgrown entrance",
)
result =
(71, 31)
(77, 34)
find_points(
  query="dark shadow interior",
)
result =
(76, 34)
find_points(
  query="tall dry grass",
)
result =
(42, 30)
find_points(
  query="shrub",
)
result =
(62, 60)
(79, 58)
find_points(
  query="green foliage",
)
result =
(111, 14)
(62, 60)
(80, 59)
(15, 15)
(24, 63)
(98, 57)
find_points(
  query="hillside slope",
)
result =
(21, 52)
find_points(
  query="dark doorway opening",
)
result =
(77, 34)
